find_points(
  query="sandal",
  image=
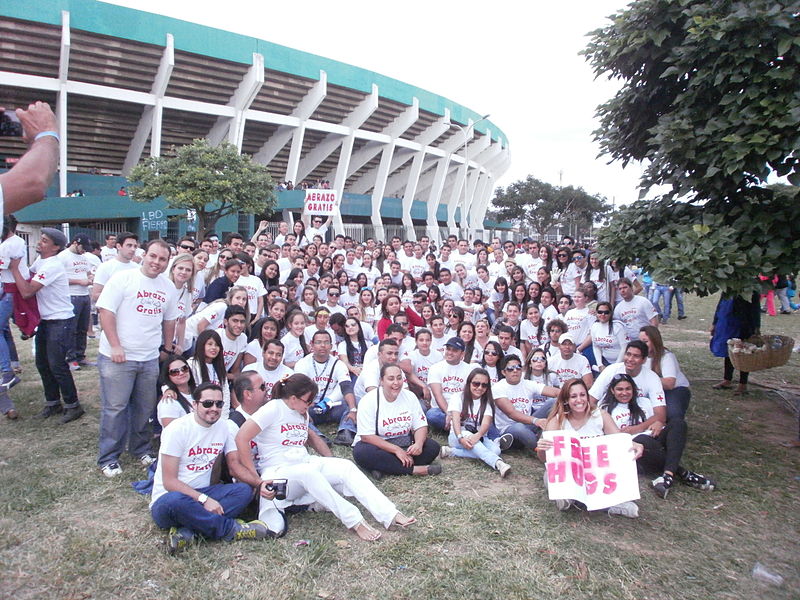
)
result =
(722, 386)
(367, 532)
(403, 521)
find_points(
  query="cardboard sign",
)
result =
(598, 471)
(321, 202)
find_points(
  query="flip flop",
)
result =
(408, 521)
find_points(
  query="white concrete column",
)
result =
(61, 103)
(231, 129)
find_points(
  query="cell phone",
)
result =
(9, 124)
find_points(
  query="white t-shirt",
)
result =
(521, 397)
(196, 447)
(451, 291)
(670, 368)
(622, 412)
(416, 267)
(107, 269)
(568, 285)
(548, 314)
(346, 300)
(76, 266)
(473, 414)
(270, 377)
(602, 286)
(573, 368)
(141, 305)
(648, 384)
(214, 314)
(402, 416)
(283, 435)
(292, 350)
(255, 289)
(107, 254)
(634, 314)
(452, 378)
(528, 332)
(610, 346)
(578, 321)
(172, 409)
(325, 373)
(54, 297)
(422, 364)
(232, 348)
(13, 247)
(467, 259)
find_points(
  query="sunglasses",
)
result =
(179, 370)
(603, 312)
(574, 258)
(187, 247)
(210, 403)
(479, 384)
(538, 359)
(490, 353)
(334, 295)
(514, 368)
(563, 255)
(263, 387)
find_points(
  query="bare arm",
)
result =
(318, 444)
(108, 321)
(26, 288)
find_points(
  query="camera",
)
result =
(279, 487)
(9, 124)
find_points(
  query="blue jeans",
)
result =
(337, 414)
(678, 294)
(677, 400)
(51, 343)
(175, 509)
(82, 309)
(526, 435)
(436, 416)
(662, 290)
(127, 394)
(6, 310)
(486, 450)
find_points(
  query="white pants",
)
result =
(325, 480)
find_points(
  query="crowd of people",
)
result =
(247, 347)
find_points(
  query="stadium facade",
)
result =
(128, 84)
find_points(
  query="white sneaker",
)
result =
(626, 509)
(111, 470)
(563, 504)
(445, 451)
(502, 467)
(147, 460)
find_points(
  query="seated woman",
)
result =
(574, 412)
(664, 364)
(392, 436)
(281, 431)
(663, 444)
(177, 387)
(471, 416)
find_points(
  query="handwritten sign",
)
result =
(598, 471)
(154, 220)
(321, 202)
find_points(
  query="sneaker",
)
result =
(254, 530)
(682, 317)
(147, 460)
(445, 451)
(86, 363)
(9, 380)
(626, 509)
(502, 467)
(111, 470)
(696, 480)
(344, 438)
(179, 539)
(12, 415)
(506, 441)
(71, 414)
(74, 366)
(663, 484)
(50, 410)
(563, 505)
(376, 474)
(434, 469)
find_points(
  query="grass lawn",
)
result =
(67, 532)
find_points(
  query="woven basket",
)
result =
(774, 351)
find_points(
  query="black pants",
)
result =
(663, 452)
(372, 458)
(52, 342)
(728, 376)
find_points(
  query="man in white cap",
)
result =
(447, 379)
(569, 364)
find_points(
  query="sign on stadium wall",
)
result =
(321, 202)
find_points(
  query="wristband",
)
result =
(42, 134)
(202, 498)
(354, 409)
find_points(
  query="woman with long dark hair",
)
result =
(177, 384)
(492, 359)
(608, 336)
(471, 416)
(208, 364)
(664, 364)
(353, 348)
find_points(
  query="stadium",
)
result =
(127, 84)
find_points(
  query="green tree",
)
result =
(710, 100)
(539, 206)
(212, 181)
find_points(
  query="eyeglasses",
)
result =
(263, 387)
(514, 368)
(179, 370)
(187, 247)
(210, 403)
(417, 301)
(309, 401)
(538, 359)
(603, 312)
(480, 384)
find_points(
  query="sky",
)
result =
(517, 61)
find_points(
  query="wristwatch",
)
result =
(354, 409)
(202, 498)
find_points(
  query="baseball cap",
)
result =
(564, 337)
(457, 343)
(83, 240)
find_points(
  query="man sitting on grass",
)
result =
(183, 498)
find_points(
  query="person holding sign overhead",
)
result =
(574, 413)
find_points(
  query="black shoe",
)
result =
(344, 438)
(505, 441)
(71, 414)
(696, 480)
(662, 484)
(376, 474)
(682, 317)
(50, 410)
